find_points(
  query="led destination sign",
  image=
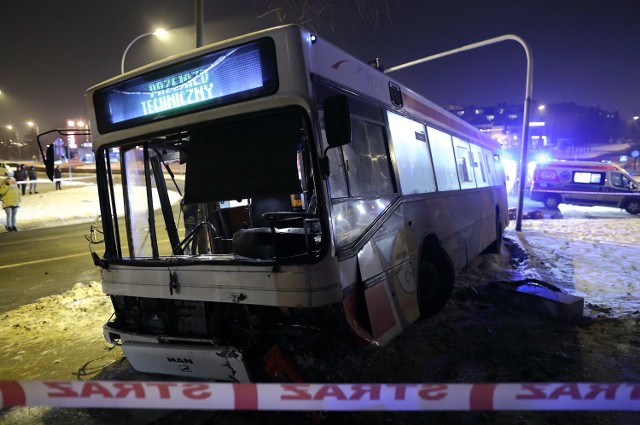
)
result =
(211, 80)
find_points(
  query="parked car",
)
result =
(6, 170)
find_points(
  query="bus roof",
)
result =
(305, 55)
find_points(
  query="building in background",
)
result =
(563, 127)
(556, 131)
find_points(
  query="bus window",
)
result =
(495, 167)
(412, 155)
(369, 182)
(366, 161)
(465, 163)
(140, 245)
(444, 161)
(479, 166)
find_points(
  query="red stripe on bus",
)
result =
(246, 396)
(481, 397)
(380, 309)
(436, 115)
(12, 394)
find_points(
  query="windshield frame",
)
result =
(117, 228)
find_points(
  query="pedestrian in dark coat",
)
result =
(57, 176)
(33, 177)
(21, 176)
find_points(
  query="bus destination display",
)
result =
(215, 79)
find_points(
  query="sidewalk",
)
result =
(77, 202)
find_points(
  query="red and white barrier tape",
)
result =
(321, 397)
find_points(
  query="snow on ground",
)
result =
(77, 202)
(592, 252)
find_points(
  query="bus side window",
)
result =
(413, 158)
(366, 161)
(444, 160)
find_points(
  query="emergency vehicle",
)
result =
(587, 184)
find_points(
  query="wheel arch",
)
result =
(433, 258)
(630, 200)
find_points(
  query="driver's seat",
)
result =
(266, 243)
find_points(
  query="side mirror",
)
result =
(48, 162)
(337, 121)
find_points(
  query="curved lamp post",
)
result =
(161, 33)
(527, 102)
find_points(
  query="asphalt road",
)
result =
(41, 262)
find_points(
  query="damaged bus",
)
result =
(260, 193)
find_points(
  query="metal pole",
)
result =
(199, 23)
(124, 55)
(527, 102)
(69, 158)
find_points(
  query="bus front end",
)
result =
(216, 237)
(214, 245)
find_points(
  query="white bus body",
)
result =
(286, 248)
(585, 183)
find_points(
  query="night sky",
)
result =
(584, 51)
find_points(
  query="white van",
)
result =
(6, 170)
(585, 183)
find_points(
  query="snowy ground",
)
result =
(591, 252)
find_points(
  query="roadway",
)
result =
(47, 261)
(41, 262)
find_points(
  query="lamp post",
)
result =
(527, 103)
(161, 33)
(16, 142)
(33, 135)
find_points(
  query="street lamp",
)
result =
(161, 33)
(32, 139)
(17, 141)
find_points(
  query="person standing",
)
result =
(33, 177)
(57, 176)
(21, 176)
(11, 197)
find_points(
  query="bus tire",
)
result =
(435, 281)
(552, 202)
(632, 206)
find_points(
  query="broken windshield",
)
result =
(243, 189)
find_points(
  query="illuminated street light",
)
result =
(10, 128)
(541, 107)
(161, 33)
(17, 141)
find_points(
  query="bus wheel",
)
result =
(551, 202)
(633, 206)
(435, 283)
